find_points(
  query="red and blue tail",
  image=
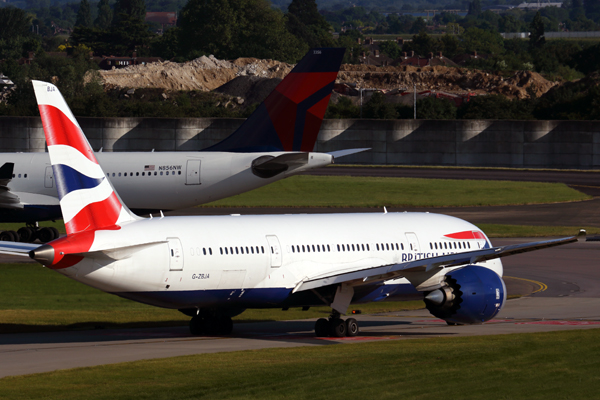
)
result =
(290, 118)
(87, 199)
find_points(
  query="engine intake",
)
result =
(470, 295)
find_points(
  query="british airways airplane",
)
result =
(214, 267)
(275, 142)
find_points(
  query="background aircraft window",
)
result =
(167, 172)
(155, 173)
(137, 174)
(25, 176)
(113, 174)
(143, 174)
(119, 174)
(19, 175)
(131, 174)
(161, 173)
(179, 173)
(125, 174)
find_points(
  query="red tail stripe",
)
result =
(101, 215)
(61, 130)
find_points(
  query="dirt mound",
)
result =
(447, 79)
(209, 73)
(204, 73)
(253, 89)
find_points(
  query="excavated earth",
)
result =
(252, 79)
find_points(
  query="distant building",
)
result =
(537, 6)
(164, 19)
(430, 60)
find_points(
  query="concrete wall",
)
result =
(536, 144)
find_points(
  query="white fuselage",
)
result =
(256, 261)
(154, 180)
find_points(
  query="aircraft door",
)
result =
(49, 178)
(274, 250)
(175, 254)
(192, 176)
(413, 241)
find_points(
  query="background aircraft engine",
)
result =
(471, 295)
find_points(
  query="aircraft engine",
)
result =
(470, 295)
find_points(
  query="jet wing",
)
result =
(8, 199)
(387, 272)
(17, 248)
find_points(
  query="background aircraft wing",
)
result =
(7, 198)
(387, 272)
(347, 152)
(17, 248)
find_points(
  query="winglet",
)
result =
(290, 117)
(87, 199)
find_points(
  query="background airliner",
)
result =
(213, 267)
(273, 143)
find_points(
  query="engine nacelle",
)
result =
(471, 295)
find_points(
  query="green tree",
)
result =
(378, 108)
(14, 22)
(84, 18)
(592, 9)
(342, 109)
(536, 29)
(577, 11)
(482, 41)
(105, 15)
(418, 26)
(390, 48)
(474, 8)
(434, 108)
(132, 10)
(304, 21)
(237, 28)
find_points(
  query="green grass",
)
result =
(558, 365)
(346, 191)
(10, 226)
(36, 299)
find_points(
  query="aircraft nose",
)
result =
(43, 254)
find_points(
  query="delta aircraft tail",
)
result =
(87, 199)
(290, 117)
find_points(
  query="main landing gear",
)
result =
(206, 324)
(336, 327)
(29, 234)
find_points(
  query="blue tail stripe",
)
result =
(68, 179)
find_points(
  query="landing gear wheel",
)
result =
(15, 236)
(224, 325)
(45, 235)
(338, 327)
(197, 325)
(351, 327)
(55, 231)
(26, 234)
(6, 236)
(322, 328)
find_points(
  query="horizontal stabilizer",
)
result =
(269, 166)
(347, 152)
(17, 248)
(393, 271)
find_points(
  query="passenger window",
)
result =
(231, 250)
(398, 248)
(226, 250)
(368, 249)
(353, 248)
(328, 249)
(338, 246)
(167, 173)
(204, 251)
(137, 174)
(313, 247)
(119, 174)
(179, 173)
(377, 244)
(155, 173)
(25, 176)
(363, 247)
(435, 245)
(210, 251)
(247, 252)
(387, 246)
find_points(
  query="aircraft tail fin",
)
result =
(290, 117)
(88, 201)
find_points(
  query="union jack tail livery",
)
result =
(290, 117)
(87, 199)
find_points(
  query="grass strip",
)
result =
(522, 231)
(519, 366)
(348, 191)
